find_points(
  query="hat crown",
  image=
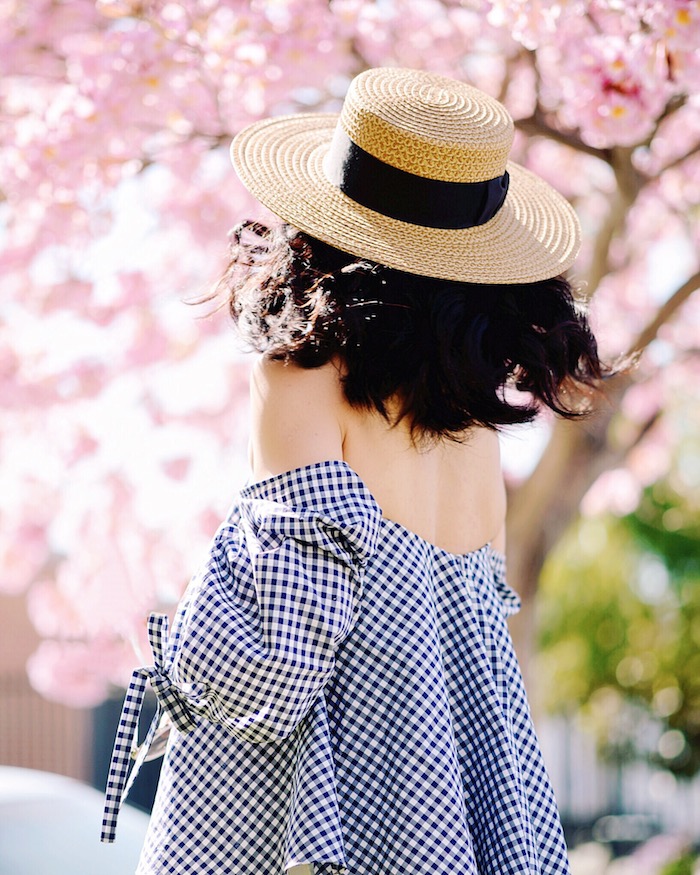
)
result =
(428, 125)
(412, 175)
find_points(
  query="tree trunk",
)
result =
(543, 507)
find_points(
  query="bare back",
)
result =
(451, 494)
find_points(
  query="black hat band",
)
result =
(433, 203)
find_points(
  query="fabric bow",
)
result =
(170, 700)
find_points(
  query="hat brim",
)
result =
(534, 236)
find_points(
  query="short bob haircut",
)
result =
(445, 354)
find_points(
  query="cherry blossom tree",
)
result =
(123, 425)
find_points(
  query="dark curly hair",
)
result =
(447, 352)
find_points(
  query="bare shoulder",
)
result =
(296, 416)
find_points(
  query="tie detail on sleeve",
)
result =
(170, 700)
(255, 635)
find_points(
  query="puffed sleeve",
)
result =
(255, 639)
(255, 636)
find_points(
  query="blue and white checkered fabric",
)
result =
(345, 695)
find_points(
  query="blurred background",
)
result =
(123, 426)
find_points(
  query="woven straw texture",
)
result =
(428, 125)
(401, 117)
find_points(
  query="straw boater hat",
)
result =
(414, 175)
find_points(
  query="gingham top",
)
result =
(346, 695)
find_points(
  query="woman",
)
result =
(340, 676)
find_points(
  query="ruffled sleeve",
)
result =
(256, 633)
(259, 627)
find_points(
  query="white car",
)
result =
(50, 825)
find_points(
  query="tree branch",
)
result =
(609, 228)
(536, 125)
(664, 314)
(629, 183)
(576, 455)
(681, 158)
(677, 101)
(629, 180)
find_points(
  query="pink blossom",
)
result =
(53, 615)
(575, 175)
(641, 401)
(28, 508)
(649, 461)
(23, 555)
(177, 468)
(124, 432)
(616, 491)
(677, 22)
(426, 34)
(613, 88)
(78, 673)
(529, 23)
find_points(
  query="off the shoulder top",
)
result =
(343, 694)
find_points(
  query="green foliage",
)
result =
(684, 866)
(619, 619)
(667, 524)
